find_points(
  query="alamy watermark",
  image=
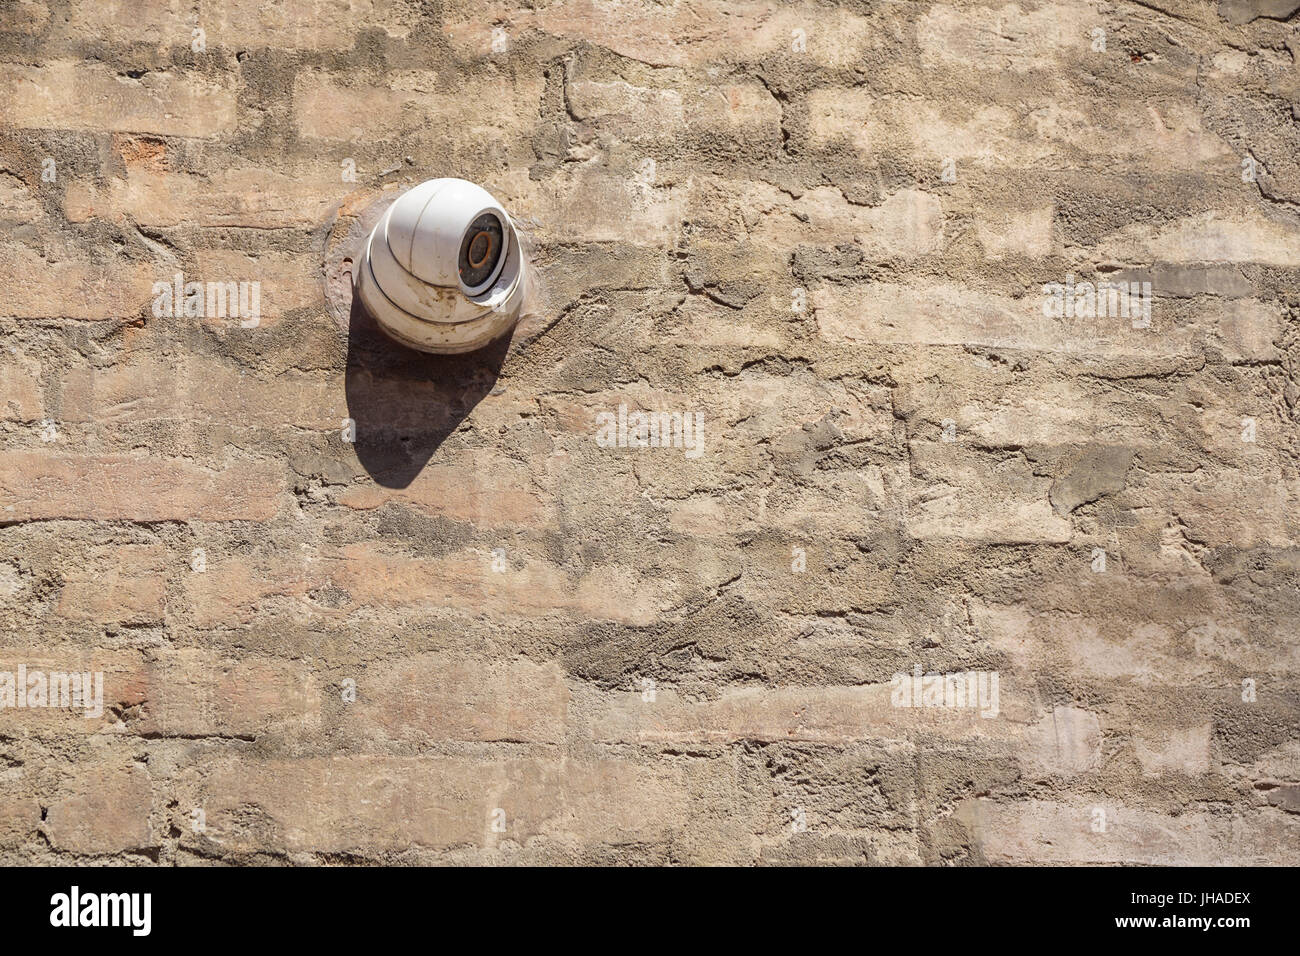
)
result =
(75, 908)
(973, 689)
(67, 691)
(1099, 300)
(213, 300)
(639, 429)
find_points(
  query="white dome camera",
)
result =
(443, 270)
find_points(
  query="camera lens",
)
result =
(480, 250)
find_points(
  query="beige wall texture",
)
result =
(354, 604)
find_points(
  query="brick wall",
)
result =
(355, 604)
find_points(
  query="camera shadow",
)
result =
(405, 403)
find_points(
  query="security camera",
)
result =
(443, 270)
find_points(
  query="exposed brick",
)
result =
(39, 485)
(1016, 231)
(187, 692)
(1251, 236)
(150, 388)
(328, 108)
(1146, 654)
(767, 225)
(20, 392)
(233, 592)
(947, 314)
(1184, 750)
(673, 35)
(1085, 132)
(1062, 833)
(1229, 506)
(618, 206)
(20, 818)
(467, 582)
(1001, 38)
(476, 487)
(195, 692)
(432, 696)
(950, 485)
(72, 95)
(244, 24)
(379, 805)
(56, 284)
(745, 112)
(245, 195)
(1066, 741)
(125, 583)
(907, 223)
(123, 687)
(285, 283)
(102, 807)
(826, 715)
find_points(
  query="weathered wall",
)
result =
(823, 227)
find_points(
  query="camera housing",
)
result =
(443, 270)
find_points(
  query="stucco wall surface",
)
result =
(354, 604)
